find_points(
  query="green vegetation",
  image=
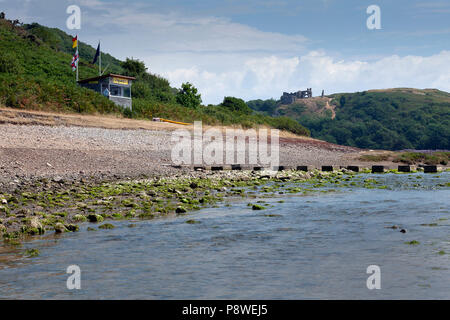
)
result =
(35, 74)
(188, 96)
(392, 119)
(32, 253)
(106, 226)
(433, 158)
(417, 157)
(265, 106)
(258, 207)
(236, 105)
(374, 157)
(192, 221)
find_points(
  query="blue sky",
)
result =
(258, 49)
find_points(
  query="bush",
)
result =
(236, 105)
(288, 124)
(189, 96)
(133, 68)
(9, 63)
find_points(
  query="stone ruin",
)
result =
(288, 98)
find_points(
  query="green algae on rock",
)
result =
(192, 221)
(95, 218)
(34, 209)
(106, 226)
(31, 253)
(258, 207)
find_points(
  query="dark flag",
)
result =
(97, 54)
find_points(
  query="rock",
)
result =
(58, 179)
(257, 207)
(4, 201)
(173, 190)
(22, 213)
(2, 228)
(60, 228)
(79, 218)
(180, 210)
(34, 223)
(393, 227)
(143, 195)
(403, 230)
(32, 253)
(95, 218)
(106, 226)
(72, 227)
(193, 185)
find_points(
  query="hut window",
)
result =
(126, 92)
(116, 91)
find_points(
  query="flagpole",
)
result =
(100, 56)
(78, 60)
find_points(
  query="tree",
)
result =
(188, 96)
(134, 68)
(342, 101)
(236, 105)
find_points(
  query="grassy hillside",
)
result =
(392, 119)
(35, 73)
(61, 41)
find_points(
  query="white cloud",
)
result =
(268, 77)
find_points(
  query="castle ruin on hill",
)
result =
(288, 98)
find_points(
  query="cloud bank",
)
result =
(269, 76)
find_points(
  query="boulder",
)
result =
(60, 228)
(72, 227)
(95, 218)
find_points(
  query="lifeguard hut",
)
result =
(115, 87)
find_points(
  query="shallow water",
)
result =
(315, 245)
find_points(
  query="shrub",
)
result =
(189, 96)
(236, 105)
(9, 63)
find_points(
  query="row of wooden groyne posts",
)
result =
(373, 169)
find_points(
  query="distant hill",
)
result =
(391, 119)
